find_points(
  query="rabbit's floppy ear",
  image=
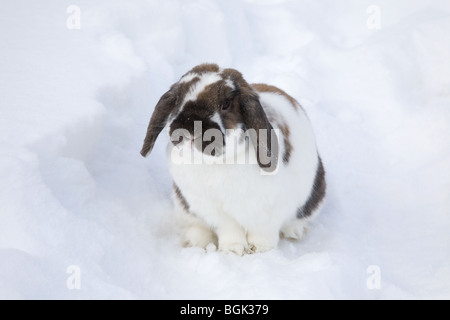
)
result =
(260, 130)
(158, 121)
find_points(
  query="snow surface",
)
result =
(74, 108)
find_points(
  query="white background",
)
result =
(74, 108)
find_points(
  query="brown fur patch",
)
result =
(217, 95)
(180, 197)
(287, 142)
(163, 108)
(255, 118)
(205, 68)
(262, 87)
(232, 119)
(284, 128)
(234, 76)
(212, 95)
(183, 89)
(317, 193)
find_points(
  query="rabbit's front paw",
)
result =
(234, 247)
(261, 242)
(199, 236)
(295, 229)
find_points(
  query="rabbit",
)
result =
(243, 159)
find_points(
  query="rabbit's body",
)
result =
(230, 197)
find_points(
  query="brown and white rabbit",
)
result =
(243, 158)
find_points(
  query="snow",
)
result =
(75, 104)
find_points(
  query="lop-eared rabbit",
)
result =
(243, 158)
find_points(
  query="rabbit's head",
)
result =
(207, 106)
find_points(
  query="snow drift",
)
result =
(75, 103)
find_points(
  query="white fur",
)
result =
(229, 83)
(188, 77)
(205, 80)
(245, 209)
(216, 118)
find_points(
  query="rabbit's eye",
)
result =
(226, 105)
